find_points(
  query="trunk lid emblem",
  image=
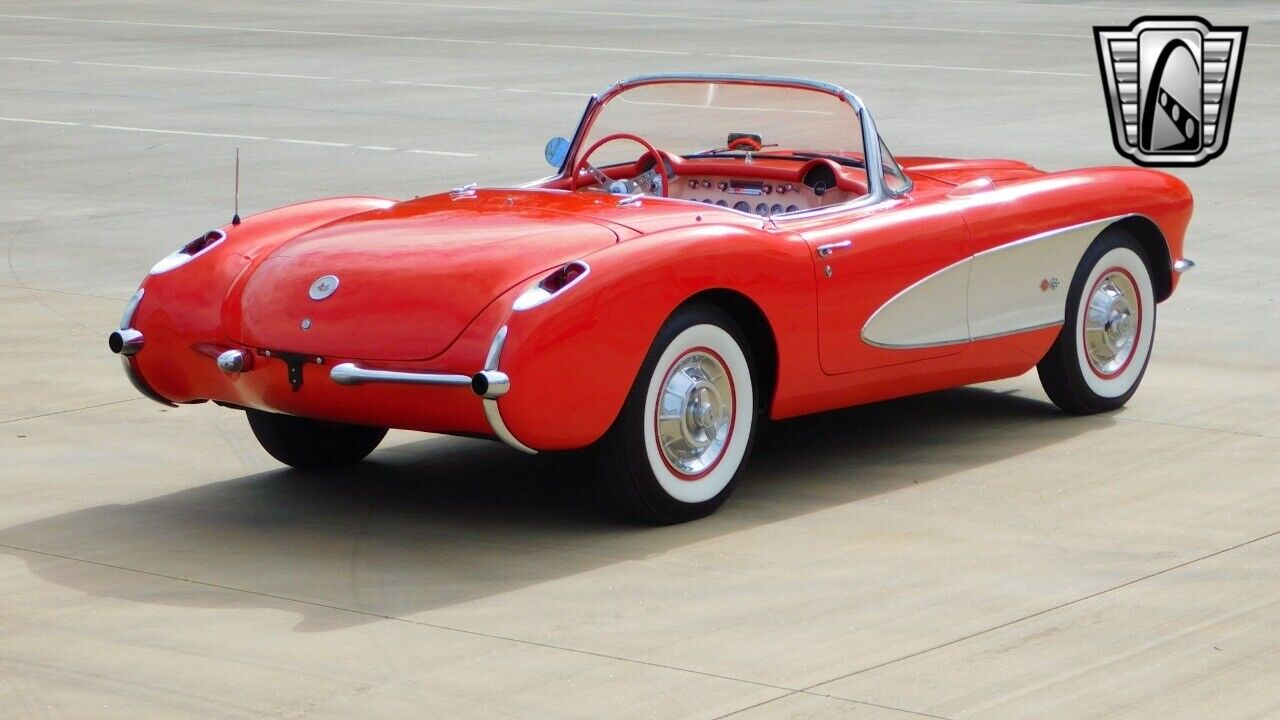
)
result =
(323, 287)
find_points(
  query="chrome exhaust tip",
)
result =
(490, 384)
(125, 341)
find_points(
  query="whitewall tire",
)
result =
(675, 452)
(1102, 352)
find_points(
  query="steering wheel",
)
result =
(582, 164)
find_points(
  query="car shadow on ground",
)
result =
(443, 521)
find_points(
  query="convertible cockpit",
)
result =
(769, 148)
(760, 184)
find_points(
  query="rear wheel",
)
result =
(313, 444)
(1102, 352)
(675, 451)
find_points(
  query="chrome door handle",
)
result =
(826, 250)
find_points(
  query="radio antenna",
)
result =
(235, 218)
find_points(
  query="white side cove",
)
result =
(930, 313)
(1013, 288)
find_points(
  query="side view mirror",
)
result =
(556, 151)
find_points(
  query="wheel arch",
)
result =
(1154, 246)
(1073, 381)
(760, 335)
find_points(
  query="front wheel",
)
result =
(675, 451)
(1102, 352)
(313, 444)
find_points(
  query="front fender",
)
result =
(573, 360)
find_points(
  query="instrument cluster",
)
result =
(759, 197)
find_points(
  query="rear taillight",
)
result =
(202, 242)
(183, 255)
(559, 280)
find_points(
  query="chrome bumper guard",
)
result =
(1183, 264)
(490, 384)
(127, 342)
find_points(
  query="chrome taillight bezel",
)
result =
(543, 292)
(189, 252)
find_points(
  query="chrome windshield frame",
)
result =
(877, 190)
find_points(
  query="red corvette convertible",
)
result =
(711, 248)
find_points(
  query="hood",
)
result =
(410, 278)
(955, 172)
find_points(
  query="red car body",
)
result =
(427, 285)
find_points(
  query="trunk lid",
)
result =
(410, 278)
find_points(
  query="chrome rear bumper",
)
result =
(352, 374)
(490, 384)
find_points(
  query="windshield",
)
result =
(698, 116)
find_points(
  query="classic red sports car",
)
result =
(711, 247)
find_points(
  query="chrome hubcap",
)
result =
(695, 413)
(1111, 323)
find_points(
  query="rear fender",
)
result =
(573, 360)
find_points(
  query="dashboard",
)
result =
(759, 197)
(775, 189)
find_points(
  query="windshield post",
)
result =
(870, 147)
(574, 144)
